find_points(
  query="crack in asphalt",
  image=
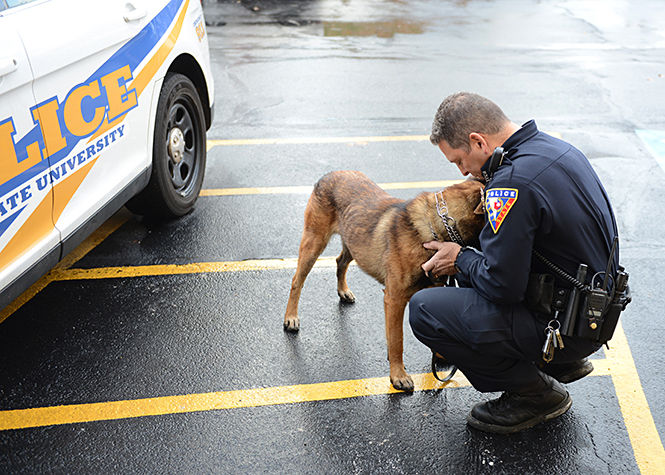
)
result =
(595, 448)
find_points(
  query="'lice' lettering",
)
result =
(73, 110)
(81, 113)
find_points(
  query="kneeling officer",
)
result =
(546, 289)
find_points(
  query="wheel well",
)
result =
(186, 64)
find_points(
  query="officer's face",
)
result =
(468, 161)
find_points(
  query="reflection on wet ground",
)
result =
(330, 18)
(382, 29)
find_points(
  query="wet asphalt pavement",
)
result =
(590, 71)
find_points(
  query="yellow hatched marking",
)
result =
(644, 437)
(103, 411)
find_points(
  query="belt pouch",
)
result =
(539, 293)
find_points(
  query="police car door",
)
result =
(27, 235)
(83, 55)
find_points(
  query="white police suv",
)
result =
(101, 103)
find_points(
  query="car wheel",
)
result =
(178, 152)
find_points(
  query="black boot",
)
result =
(568, 372)
(519, 410)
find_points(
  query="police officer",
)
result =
(542, 194)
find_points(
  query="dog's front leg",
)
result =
(394, 305)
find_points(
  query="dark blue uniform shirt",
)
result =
(546, 196)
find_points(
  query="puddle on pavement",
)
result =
(382, 29)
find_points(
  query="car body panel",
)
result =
(85, 121)
(20, 160)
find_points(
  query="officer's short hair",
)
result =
(463, 113)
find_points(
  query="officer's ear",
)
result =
(477, 141)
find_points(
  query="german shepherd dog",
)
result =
(385, 236)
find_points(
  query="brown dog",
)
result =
(385, 236)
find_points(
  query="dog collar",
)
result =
(448, 221)
(434, 235)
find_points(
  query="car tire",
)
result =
(178, 152)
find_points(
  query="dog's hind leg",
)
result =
(343, 261)
(319, 227)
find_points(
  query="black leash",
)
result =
(439, 360)
(445, 366)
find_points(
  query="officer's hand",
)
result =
(443, 262)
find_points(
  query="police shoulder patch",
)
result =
(498, 202)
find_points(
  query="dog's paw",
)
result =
(292, 324)
(402, 382)
(346, 296)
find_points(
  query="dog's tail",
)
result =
(324, 189)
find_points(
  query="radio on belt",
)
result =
(601, 303)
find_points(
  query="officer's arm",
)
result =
(500, 273)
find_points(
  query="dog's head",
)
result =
(465, 205)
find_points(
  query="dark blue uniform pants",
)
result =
(494, 345)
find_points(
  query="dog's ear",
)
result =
(480, 209)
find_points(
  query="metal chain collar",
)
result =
(448, 221)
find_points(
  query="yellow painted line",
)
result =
(106, 229)
(324, 140)
(407, 185)
(266, 190)
(25, 297)
(110, 226)
(280, 190)
(58, 273)
(316, 140)
(194, 268)
(619, 363)
(104, 411)
(644, 437)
